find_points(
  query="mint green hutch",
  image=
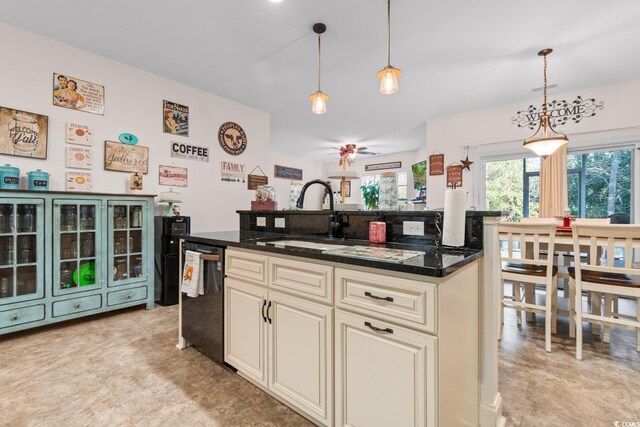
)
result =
(66, 255)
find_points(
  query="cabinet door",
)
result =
(300, 354)
(245, 329)
(128, 259)
(77, 246)
(21, 250)
(384, 377)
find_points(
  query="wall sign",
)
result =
(436, 164)
(380, 166)
(287, 173)
(175, 118)
(79, 134)
(125, 158)
(23, 133)
(454, 176)
(76, 94)
(232, 172)
(560, 112)
(181, 150)
(254, 181)
(232, 138)
(79, 158)
(172, 176)
(79, 181)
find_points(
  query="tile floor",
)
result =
(122, 369)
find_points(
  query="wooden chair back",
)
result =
(532, 239)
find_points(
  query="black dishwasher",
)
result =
(203, 316)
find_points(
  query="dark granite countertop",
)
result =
(436, 262)
(469, 213)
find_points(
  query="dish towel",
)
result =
(192, 275)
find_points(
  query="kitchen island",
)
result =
(356, 341)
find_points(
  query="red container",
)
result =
(264, 206)
(377, 232)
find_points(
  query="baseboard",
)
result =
(491, 415)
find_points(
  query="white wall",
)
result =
(311, 169)
(489, 132)
(134, 104)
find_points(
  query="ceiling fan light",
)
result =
(318, 102)
(388, 77)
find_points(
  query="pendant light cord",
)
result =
(319, 59)
(389, 33)
(544, 105)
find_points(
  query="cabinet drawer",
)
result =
(245, 265)
(76, 305)
(18, 316)
(127, 295)
(402, 301)
(302, 278)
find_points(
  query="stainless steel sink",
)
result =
(303, 244)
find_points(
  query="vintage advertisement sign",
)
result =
(285, 172)
(23, 133)
(232, 172)
(454, 176)
(79, 134)
(175, 118)
(181, 150)
(173, 176)
(125, 158)
(79, 158)
(232, 138)
(79, 181)
(436, 164)
(380, 166)
(76, 94)
(560, 112)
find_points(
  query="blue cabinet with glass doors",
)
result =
(67, 255)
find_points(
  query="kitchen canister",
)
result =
(388, 193)
(9, 177)
(38, 180)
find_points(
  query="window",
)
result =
(599, 184)
(402, 187)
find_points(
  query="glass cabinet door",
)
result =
(77, 257)
(21, 250)
(127, 260)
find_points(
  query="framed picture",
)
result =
(287, 173)
(454, 176)
(173, 176)
(76, 94)
(125, 158)
(175, 118)
(23, 134)
(347, 188)
(436, 164)
(382, 166)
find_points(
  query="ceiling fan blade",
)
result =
(367, 153)
(361, 149)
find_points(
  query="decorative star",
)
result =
(466, 163)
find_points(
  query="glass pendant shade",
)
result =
(545, 141)
(388, 80)
(319, 102)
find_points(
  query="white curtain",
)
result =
(553, 184)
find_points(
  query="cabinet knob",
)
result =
(77, 305)
(15, 317)
(128, 296)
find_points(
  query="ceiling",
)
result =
(455, 55)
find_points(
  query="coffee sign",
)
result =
(181, 150)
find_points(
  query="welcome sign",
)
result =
(560, 112)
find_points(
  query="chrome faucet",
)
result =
(334, 223)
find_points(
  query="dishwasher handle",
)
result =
(207, 257)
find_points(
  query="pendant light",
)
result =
(319, 99)
(388, 76)
(546, 140)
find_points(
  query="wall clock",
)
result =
(232, 138)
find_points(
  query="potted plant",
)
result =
(370, 196)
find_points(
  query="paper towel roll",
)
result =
(455, 207)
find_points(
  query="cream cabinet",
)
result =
(280, 341)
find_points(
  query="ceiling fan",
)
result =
(355, 150)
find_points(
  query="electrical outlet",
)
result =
(413, 228)
(261, 221)
(279, 223)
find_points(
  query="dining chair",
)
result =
(606, 278)
(523, 262)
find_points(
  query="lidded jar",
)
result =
(265, 193)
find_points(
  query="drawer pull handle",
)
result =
(15, 317)
(370, 295)
(77, 305)
(383, 331)
(264, 304)
(268, 316)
